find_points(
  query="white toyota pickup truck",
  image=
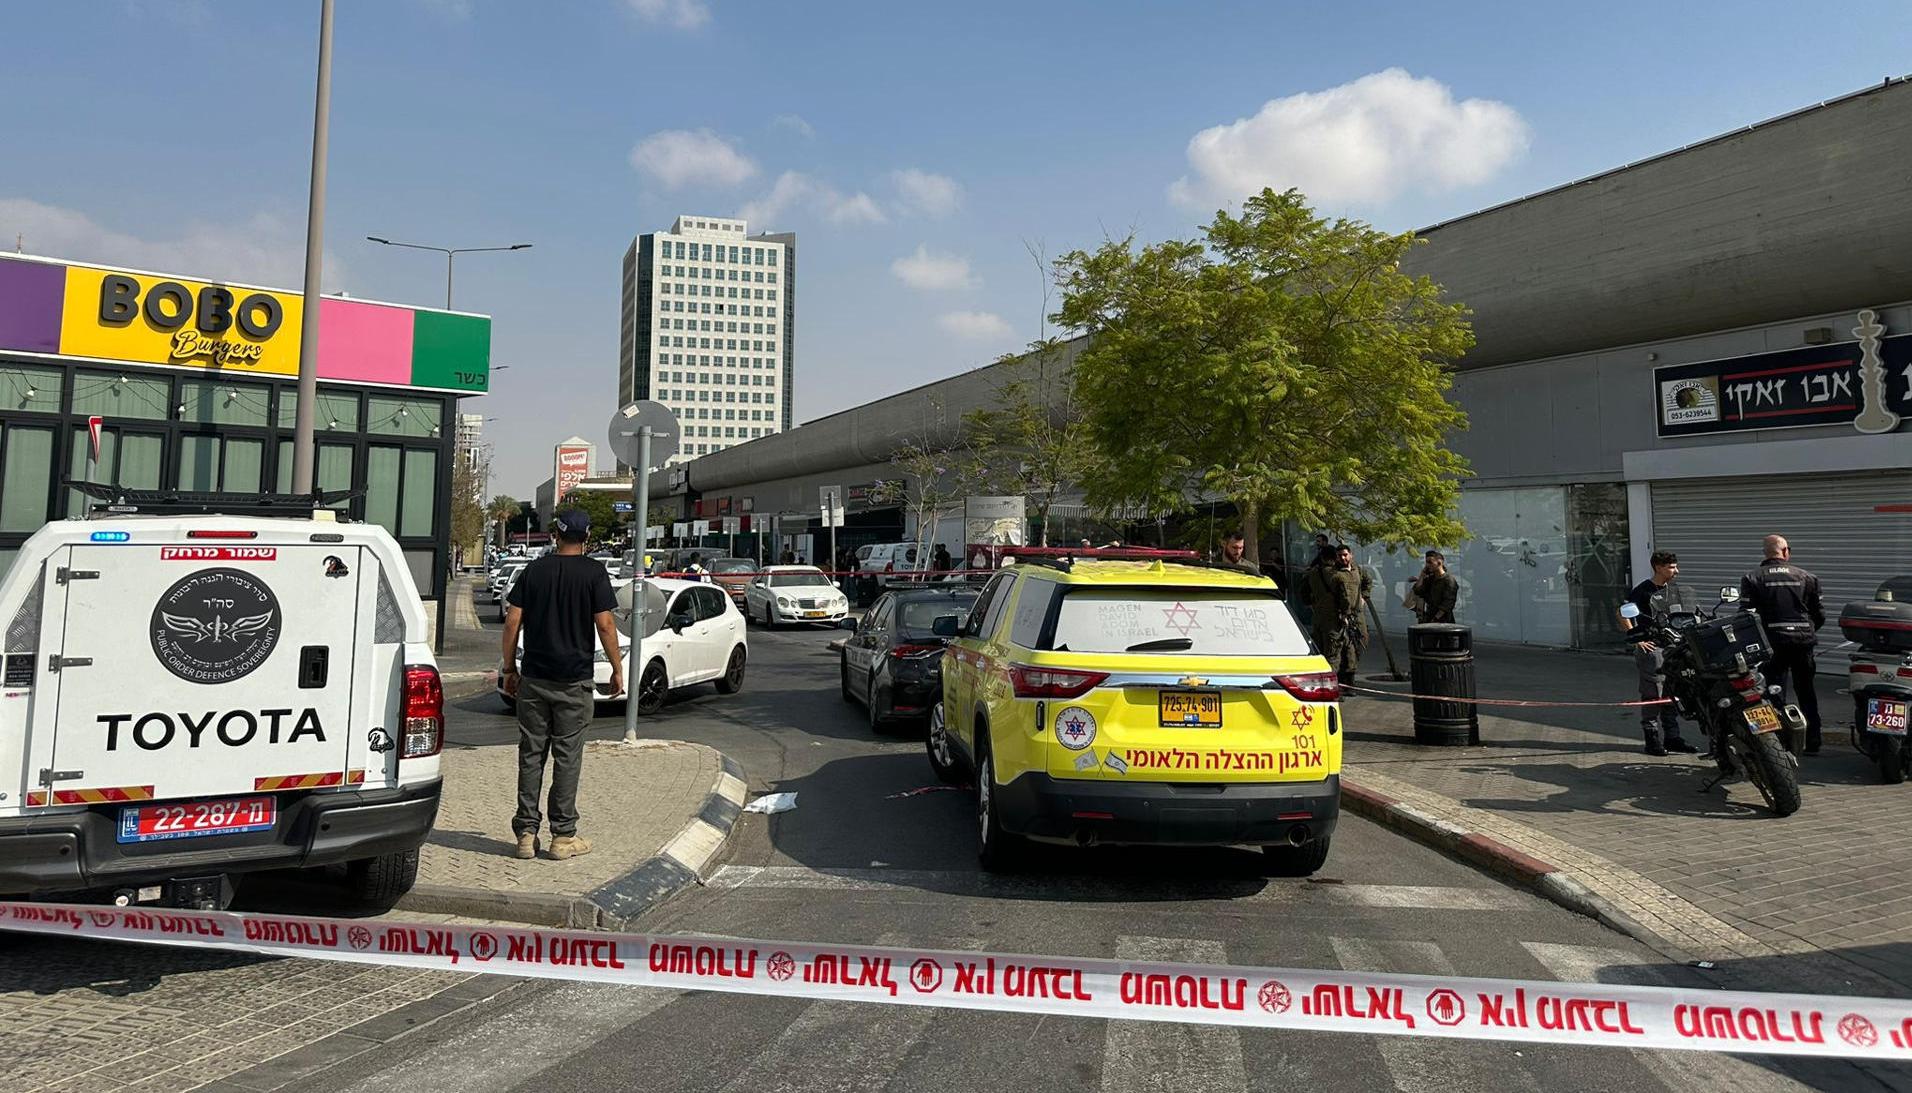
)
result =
(185, 699)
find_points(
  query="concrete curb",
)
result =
(1542, 878)
(685, 860)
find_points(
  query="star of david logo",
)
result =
(1181, 619)
(1074, 725)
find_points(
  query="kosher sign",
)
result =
(1865, 383)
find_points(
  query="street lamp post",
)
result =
(449, 253)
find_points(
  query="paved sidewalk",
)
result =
(656, 810)
(1709, 876)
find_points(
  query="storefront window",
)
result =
(337, 412)
(334, 471)
(26, 474)
(220, 464)
(1598, 561)
(420, 497)
(403, 416)
(401, 489)
(29, 389)
(215, 403)
(382, 467)
(133, 460)
(118, 396)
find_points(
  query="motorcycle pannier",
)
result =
(1721, 642)
(1881, 625)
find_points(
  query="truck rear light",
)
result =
(424, 712)
(1312, 686)
(1052, 682)
(215, 533)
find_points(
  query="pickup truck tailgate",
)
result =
(195, 671)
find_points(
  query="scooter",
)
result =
(1879, 634)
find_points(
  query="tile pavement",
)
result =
(1715, 874)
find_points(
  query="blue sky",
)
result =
(174, 134)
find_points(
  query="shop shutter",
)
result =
(1715, 525)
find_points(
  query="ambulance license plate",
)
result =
(1886, 716)
(1191, 709)
(151, 823)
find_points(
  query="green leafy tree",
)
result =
(1285, 364)
(600, 507)
(1033, 440)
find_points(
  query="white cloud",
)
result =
(682, 14)
(927, 193)
(794, 123)
(795, 190)
(1364, 142)
(261, 249)
(679, 157)
(931, 272)
(973, 324)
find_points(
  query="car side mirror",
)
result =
(678, 622)
(1729, 594)
(946, 626)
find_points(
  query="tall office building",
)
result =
(709, 329)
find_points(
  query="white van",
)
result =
(190, 698)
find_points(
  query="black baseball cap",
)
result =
(574, 524)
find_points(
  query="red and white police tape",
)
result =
(1280, 998)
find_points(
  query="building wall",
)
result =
(1803, 214)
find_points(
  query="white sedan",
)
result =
(795, 593)
(692, 634)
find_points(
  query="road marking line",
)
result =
(1430, 1066)
(1171, 1058)
(1675, 1069)
(1062, 889)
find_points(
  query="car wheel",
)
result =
(1296, 861)
(653, 689)
(378, 882)
(732, 680)
(997, 850)
(942, 753)
(878, 722)
(843, 667)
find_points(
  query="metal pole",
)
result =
(641, 500)
(302, 451)
(448, 257)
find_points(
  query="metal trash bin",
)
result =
(1441, 667)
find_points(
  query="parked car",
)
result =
(501, 576)
(692, 634)
(894, 662)
(733, 576)
(1139, 702)
(794, 593)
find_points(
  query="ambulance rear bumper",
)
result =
(76, 851)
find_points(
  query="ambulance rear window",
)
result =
(1176, 621)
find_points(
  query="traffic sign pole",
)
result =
(642, 433)
(641, 497)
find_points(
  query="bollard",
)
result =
(1441, 666)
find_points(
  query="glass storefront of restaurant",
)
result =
(1544, 565)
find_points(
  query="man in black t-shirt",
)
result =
(1657, 597)
(557, 602)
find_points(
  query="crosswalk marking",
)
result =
(1148, 1056)
(1070, 889)
(1676, 1069)
(511, 1049)
(1429, 1065)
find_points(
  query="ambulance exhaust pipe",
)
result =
(1298, 835)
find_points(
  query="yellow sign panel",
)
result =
(147, 319)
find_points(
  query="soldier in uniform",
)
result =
(1787, 598)
(1340, 628)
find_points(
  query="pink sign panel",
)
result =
(370, 343)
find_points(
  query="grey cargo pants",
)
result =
(551, 721)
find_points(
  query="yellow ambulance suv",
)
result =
(1139, 702)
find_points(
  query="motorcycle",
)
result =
(1712, 669)
(1879, 679)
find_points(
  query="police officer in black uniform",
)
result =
(1787, 598)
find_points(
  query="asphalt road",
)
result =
(860, 860)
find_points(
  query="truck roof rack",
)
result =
(115, 500)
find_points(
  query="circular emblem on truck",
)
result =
(215, 626)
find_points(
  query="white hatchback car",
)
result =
(693, 634)
(795, 593)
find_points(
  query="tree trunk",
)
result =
(1251, 531)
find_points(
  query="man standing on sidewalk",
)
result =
(1436, 590)
(1235, 553)
(558, 600)
(1787, 599)
(1657, 597)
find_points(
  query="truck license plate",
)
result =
(1763, 718)
(1191, 709)
(151, 823)
(1886, 716)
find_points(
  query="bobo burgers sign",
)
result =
(156, 320)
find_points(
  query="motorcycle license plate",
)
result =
(151, 823)
(1763, 719)
(1886, 716)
